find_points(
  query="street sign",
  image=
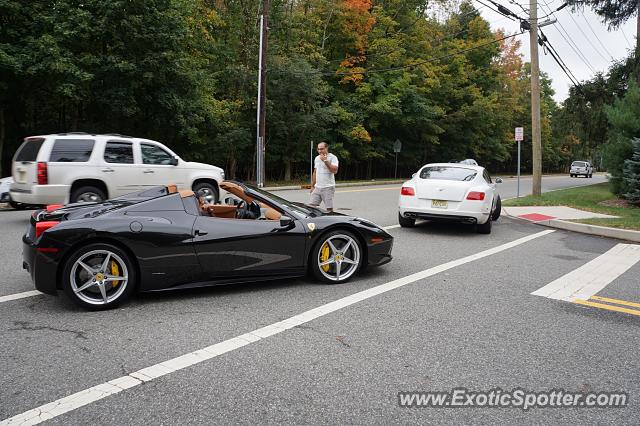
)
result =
(397, 146)
(519, 133)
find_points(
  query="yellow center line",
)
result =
(395, 188)
(607, 307)
(616, 301)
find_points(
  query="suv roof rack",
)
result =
(74, 133)
(119, 135)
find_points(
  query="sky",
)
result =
(574, 31)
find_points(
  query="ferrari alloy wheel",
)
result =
(98, 276)
(336, 257)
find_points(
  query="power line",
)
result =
(596, 36)
(562, 31)
(587, 38)
(556, 57)
(625, 37)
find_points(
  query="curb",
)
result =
(583, 228)
(338, 185)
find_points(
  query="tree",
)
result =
(624, 118)
(631, 174)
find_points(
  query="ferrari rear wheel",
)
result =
(99, 276)
(336, 257)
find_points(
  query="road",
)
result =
(454, 309)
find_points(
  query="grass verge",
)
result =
(593, 198)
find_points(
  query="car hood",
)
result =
(201, 166)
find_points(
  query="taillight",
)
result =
(43, 176)
(43, 226)
(475, 195)
(54, 207)
(407, 191)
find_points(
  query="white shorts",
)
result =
(323, 194)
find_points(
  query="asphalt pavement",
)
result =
(468, 321)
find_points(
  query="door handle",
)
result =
(108, 170)
(198, 232)
(148, 171)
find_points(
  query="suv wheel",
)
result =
(88, 194)
(208, 191)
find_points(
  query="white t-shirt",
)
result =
(324, 177)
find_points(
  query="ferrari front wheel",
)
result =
(336, 257)
(99, 276)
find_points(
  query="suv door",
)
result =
(119, 169)
(158, 167)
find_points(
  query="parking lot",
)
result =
(453, 309)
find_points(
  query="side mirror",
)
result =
(174, 161)
(498, 180)
(285, 221)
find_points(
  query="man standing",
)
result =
(323, 183)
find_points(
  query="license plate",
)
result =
(439, 204)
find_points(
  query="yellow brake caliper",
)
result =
(324, 256)
(115, 271)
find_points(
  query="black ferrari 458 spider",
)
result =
(161, 238)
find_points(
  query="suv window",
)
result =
(29, 149)
(448, 173)
(71, 150)
(578, 164)
(152, 154)
(118, 152)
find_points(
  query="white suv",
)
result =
(581, 168)
(77, 167)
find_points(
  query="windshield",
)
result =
(578, 164)
(448, 173)
(298, 208)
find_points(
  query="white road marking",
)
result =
(17, 296)
(386, 228)
(103, 390)
(592, 277)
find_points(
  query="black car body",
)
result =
(169, 244)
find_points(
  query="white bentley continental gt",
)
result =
(450, 192)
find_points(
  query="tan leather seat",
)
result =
(221, 210)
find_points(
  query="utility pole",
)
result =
(535, 99)
(261, 114)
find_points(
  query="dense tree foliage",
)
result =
(359, 74)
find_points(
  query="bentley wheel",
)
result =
(99, 276)
(336, 257)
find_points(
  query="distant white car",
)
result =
(450, 192)
(83, 167)
(583, 168)
(4, 189)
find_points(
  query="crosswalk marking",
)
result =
(592, 277)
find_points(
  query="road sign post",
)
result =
(519, 136)
(397, 147)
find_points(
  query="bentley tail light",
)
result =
(407, 191)
(43, 176)
(475, 195)
(43, 226)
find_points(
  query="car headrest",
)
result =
(184, 193)
(172, 188)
